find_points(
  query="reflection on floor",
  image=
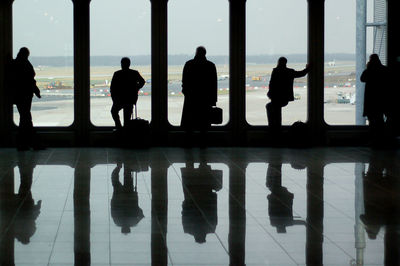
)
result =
(217, 206)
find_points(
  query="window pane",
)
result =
(45, 27)
(340, 60)
(118, 29)
(191, 24)
(275, 29)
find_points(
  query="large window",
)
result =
(118, 29)
(275, 29)
(340, 60)
(191, 24)
(45, 27)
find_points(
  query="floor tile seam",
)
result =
(60, 221)
(63, 211)
(108, 209)
(273, 238)
(197, 206)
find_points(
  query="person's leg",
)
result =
(114, 113)
(376, 127)
(128, 110)
(274, 113)
(25, 129)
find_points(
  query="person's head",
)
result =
(374, 59)
(201, 52)
(23, 53)
(125, 63)
(282, 61)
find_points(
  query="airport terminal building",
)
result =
(243, 199)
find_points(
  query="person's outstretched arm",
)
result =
(302, 73)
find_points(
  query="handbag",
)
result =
(215, 115)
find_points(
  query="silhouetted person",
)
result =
(23, 85)
(199, 86)
(199, 209)
(125, 209)
(125, 86)
(376, 79)
(281, 92)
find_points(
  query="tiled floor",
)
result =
(217, 206)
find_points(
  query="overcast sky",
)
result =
(122, 27)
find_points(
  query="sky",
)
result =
(122, 27)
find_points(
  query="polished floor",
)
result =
(216, 206)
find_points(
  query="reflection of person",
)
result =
(375, 77)
(23, 85)
(125, 86)
(125, 209)
(280, 201)
(199, 209)
(382, 204)
(281, 91)
(199, 86)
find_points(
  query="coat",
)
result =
(281, 84)
(200, 87)
(125, 85)
(376, 88)
(22, 81)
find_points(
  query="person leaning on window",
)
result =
(23, 85)
(281, 91)
(125, 85)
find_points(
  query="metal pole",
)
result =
(361, 51)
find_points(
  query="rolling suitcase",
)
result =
(136, 132)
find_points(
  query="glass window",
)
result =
(275, 29)
(118, 29)
(45, 27)
(340, 60)
(191, 24)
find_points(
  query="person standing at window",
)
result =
(199, 86)
(125, 85)
(376, 78)
(24, 87)
(281, 92)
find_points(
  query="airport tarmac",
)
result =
(58, 111)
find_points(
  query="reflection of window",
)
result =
(274, 30)
(124, 34)
(45, 27)
(191, 24)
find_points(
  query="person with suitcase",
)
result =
(125, 86)
(199, 86)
